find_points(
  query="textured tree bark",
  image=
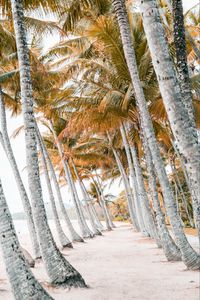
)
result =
(139, 204)
(188, 36)
(23, 283)
(182, 125)
(181, 57)
(74, 235)
(24, 197)
(64, 241)
(58, 268)
(148, 214)
(170, 249)
(189, 256)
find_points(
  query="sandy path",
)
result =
(122, 265)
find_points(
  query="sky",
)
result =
(18, 145)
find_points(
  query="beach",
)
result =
(121, 264)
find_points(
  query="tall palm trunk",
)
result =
(181, 56)
(148, 214)
(74, 235)
(24, 197)
(87, 200)
(182, 194)
(189, 256)
(58, 268)
(129, 196)
(81, 220)
(104, 200)
(64, 241)
(170, 249)
(182, 123)
(23, 283)
(92, 209)
(103, 206)
(139, 203)
(98, 222)
(188, 35)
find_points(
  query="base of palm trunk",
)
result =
(69, 245)
(98, 232)
(75, 280)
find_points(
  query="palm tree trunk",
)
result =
(86, 233)
(170, 249)
(189, 256)
(58, 268)
(64, 241)
(74, 235)
(23, 283)
(148, 214)
(182, 194)
(112, 225)
(129, 196)
(93, 211)
(181, 56)
(182, 124)
(188, 35)
(139, 203)
(87, 200)
(103, 206)
(24, 197)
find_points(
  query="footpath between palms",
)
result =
(121, 264)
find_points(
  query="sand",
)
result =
(120, 265)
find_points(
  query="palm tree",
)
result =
(189, 256)
(182, 124)
(181, 55)
(170, 249)
(65, 242)
(14, 259)
(81, 219)
(23, 194)
(87, 200)
(74, 235)
(59, 269)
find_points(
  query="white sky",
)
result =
(9, 185)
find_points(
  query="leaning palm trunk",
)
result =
(103, 206)
(58, 268)
(93, 211)
(112, 225)
(129, 196)
(170, 249)
(23, 283)
(182, 194)
(87, 232)
(189, 256)
(148, 214)
(87, 200)
(187, 33)
(64, 241)
(182, 123)
(81, 220)
(139, 203)
(74, 235)
(24, 197)
(181, 56)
